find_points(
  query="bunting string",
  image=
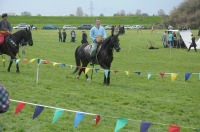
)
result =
(93, 114)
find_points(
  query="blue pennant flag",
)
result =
(96, 69)
(62, 65)
(138, 73)
(145, 126)
(187, 76)
(78, 118)
(38, 111)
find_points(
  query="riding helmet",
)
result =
(4, 15)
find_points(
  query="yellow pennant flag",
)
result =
(173, 76)
(32, 60)
(87, 70)
(54, 64)
(127, 72)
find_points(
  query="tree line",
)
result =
(186, 14)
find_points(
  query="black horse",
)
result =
(104, 57)
(11, 45)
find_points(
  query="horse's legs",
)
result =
(10, 64)
(17, 67)
(107, 80)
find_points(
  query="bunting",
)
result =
(121, 122)
(187, 76)
(19, 107)
(87, 70)
(173, 76)
(58, 113)
(162, 75)
(78, 118)
(173, 128)
(38, 111)
(149, 75)
(127, 73)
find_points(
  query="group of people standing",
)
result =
(63, 35)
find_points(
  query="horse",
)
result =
(11, 45)
(104, 56)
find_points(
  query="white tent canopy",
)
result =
(187, 38)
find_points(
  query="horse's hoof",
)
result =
(17, 72)
(77, 77)
(88, 80)
(8, 70)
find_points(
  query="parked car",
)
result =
(138, 27)
(85, 27)
(108, 27)
(49, 27)
(127, 27)
(21, 26)
(68, 27)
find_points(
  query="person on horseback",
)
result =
(97, 34)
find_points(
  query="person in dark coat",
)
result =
(193, 44)
(64, 35)
(59, 36)
(84, 38)
(73, 36)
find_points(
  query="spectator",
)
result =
(59, 35)
(174, 39)
(164, 39)
(170, 39)
(64, 35)
(73, 36)
(4, 100)
(193, 44)
(84, 38)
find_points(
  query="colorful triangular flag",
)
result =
(25, 60)
(173, 76)
(138, 73)
(17, 61)
(98, 117)
(58, 113)
(46, 62)
(78, 118)
(19, 107)
(162, 75)
(127, 72)
(149, 75)
(38, 111)
(106, 72)
(187, 76)
(173, 128)
(62, 65)
(121, 122)
(96, 69)
(144, 126)
(32, 60)
(87, 70)
(116, 71)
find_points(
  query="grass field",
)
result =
(133, 97)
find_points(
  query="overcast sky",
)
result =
(67, 7)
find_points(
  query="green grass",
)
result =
(133, 97)
(39, 21)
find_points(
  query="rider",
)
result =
(5, 27)
(97, 34)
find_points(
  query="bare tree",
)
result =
(138, 12)
(79, 11)
(161, 12)
(25, 13)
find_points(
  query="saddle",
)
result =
(87, 50)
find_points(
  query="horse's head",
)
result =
(115, 42)
(28, 36)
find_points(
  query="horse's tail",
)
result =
(78, 60)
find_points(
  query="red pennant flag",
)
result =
(25, 60)
(116, 71)
(46, 62)
(79, 67)
(173, 128)
(19, 107)
(162, 75)
(98, 117)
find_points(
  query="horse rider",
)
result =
(97, 34)
(5, 27)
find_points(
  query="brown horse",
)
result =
(104, 57)
(11, 45)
